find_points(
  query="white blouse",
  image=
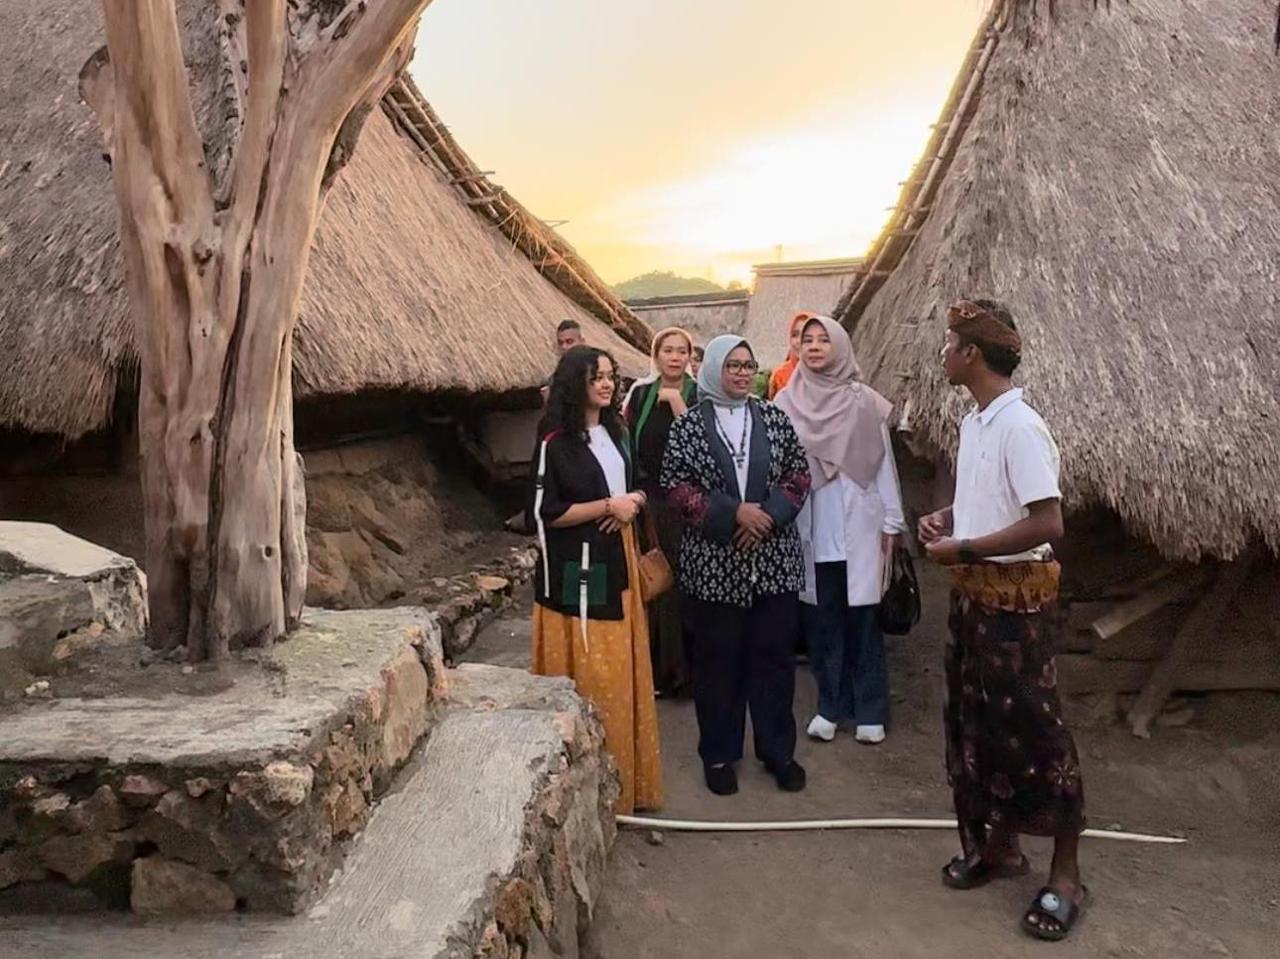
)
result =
(606, 453)
(738, 434)
(843, 522)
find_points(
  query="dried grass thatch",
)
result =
(412, 286)
(1118, 185)
(784, 289)
(704, 315)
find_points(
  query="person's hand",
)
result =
(944, 551)
(933, 526)
(623, 509)
(640, 498)
(754, 520)
(670, 395)
(889, 542)
(609, 525)
(745, 539)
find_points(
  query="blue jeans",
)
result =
(846, 651)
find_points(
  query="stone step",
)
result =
(254, 779)
(492, 842)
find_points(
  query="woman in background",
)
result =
(782, 375)
(589, 622)
(847, 528)
(652, 406)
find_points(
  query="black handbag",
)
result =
(900, 606)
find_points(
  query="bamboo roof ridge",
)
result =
(411, 286)
(1115, 180)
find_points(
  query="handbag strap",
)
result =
(650, 526)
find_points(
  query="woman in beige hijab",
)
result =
(846, 528)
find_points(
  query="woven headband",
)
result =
(977, 324)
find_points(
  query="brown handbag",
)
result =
(656, 577)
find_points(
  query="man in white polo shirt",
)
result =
(1011, 761)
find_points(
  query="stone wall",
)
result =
(243, 798)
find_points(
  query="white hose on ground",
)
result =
(805, 825)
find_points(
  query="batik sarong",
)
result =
(1011, 762)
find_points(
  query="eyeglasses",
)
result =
(741, 366)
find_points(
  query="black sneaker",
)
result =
(791, 777)
(721, 780)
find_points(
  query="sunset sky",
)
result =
(697, 135)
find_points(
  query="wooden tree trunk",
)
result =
(216, 231)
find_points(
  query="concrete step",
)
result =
(492, 842)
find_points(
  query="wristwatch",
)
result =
(968, 554)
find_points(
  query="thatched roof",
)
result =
(1117, 183)
(704, 315)
(784, 289)
(413, 285)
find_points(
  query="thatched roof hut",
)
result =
(425, 276)
(1114, 176)
(782, 290)
(704, 315)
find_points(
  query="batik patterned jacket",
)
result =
(698, 475)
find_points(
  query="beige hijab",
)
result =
(838, 417)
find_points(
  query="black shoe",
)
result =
(721, 780)
(791, 777)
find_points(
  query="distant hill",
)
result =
(663, 284)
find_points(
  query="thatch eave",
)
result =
(1117, 183)
(411, 287)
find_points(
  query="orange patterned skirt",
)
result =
(1010, 587)
(614, 674)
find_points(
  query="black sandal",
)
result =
(960, 874)
(1054, 916)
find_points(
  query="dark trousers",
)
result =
(745, 657)
(846, 651)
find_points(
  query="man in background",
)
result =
(568, 335)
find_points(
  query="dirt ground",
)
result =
(877, 894)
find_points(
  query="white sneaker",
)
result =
(871, 735)
(823, 729)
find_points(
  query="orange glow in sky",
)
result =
(697, 136)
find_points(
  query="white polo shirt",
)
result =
(1007, 461)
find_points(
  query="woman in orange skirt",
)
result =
(589, 619)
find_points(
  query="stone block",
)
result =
(100, 813)
(60, 594)
(78, 857)
(401, 710)
(19, 865)
(191, 831)
(141, 791)
(161, 886)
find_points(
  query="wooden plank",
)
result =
(1079, 674)
(1075, 641)
(1083, 614)
(1171, 671)
(1165, 592)
(1147, 640)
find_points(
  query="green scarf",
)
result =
(651, 400)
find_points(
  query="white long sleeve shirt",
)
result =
(843, 522)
